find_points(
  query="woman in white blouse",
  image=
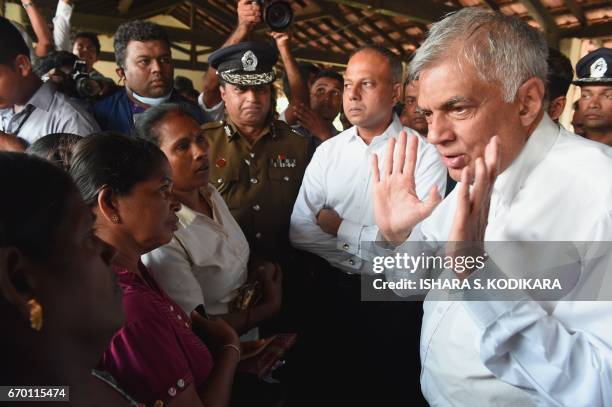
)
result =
(207, 261)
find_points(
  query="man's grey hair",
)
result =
(502, 49)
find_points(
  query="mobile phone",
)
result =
(200, 310)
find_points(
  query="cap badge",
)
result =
(221, 162)
(599, 68)
(249, 61)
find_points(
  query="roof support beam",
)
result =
(416, 10)
(541, 14)
(577, 11)
(590, 31)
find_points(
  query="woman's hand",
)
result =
(216, 332)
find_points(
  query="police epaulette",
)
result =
(213, 125)
(298, 133)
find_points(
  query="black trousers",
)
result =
(352, 351)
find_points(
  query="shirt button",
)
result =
(252, 155)
(186, 324)
(256, 207)
(180, 383)
(171, 308)
(345, 246)
(351, 262)
(254, 181)
(179, 317)
(258, 235)
(172, 391)
(286, 178)
(220, 180)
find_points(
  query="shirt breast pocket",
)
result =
(225, 179)
(284, 184)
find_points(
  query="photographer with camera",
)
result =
(29, 108)
(70, 76)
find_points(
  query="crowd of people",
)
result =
(154, 238)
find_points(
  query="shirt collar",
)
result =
(393, 130)
(540, 142)
(231, 131)
(43, 97)
(187, 215)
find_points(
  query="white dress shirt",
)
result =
(339, 177)
(61, 26)
(48, 111)
(523, 352)
(206, 260)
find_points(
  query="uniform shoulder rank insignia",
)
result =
(213, 125)
(228, 131)
(281, 161)
(297, 132)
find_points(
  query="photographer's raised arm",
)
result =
(297, 84)
(249, 14)
(44, 38)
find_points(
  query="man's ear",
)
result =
(107, 205)
(397, 93)
(23, 65)
(222, 91)
(16, 279)
(556, 107)
(530, 98)
(120, 73)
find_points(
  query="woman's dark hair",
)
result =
(113, 160)
(56, 148)
(37, 205)
(147, 122)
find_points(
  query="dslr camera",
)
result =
(277, 14)
(85, 86)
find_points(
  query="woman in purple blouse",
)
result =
(155, 357)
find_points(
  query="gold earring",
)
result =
(115, 219)
(36, 315)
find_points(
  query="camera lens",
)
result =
(278, 15)
(87, 87)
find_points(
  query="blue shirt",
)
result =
(116, 112)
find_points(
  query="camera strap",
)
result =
(29, 110)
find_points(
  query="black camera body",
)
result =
(277, 14)
(86, 87)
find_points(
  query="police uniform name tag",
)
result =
(283, 162)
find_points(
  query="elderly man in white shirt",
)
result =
(488, 119)
(333, 218)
